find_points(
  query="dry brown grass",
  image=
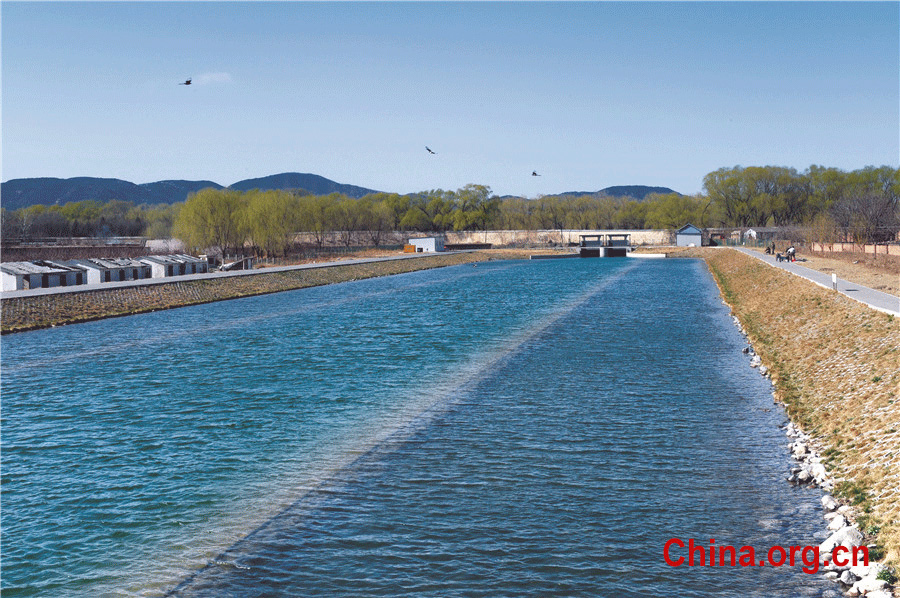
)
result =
(836, 366)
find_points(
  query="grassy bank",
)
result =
(836, 367)
(30, 313)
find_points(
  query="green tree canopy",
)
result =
(212, 218)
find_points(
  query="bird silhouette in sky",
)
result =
(188, 82)
(534, 173)
(430, 150)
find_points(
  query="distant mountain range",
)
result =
(20, 193)
(635, 191)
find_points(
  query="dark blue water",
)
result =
(515, 428)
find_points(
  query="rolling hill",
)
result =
(20, 193)
(313, 183)
(638, 192)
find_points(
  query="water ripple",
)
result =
(531, 428)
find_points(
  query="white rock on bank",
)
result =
(829, 503)
(847, 578)
(867, 585)
(846, 536)
(837, 523)
(866, 570)
(831, 566)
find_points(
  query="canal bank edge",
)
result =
(835, 365)
(21, 314)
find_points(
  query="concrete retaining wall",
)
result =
(504, 238)
(557, 237)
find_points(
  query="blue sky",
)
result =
(587, 94)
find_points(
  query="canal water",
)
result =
(516, 428)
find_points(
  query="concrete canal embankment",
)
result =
(43, 311)
(835, 364)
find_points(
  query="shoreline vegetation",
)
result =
(834, 363)
(835, 366)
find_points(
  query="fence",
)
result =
(873, 249)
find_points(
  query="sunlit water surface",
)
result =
(508, 429)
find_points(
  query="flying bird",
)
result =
(534, 173)
(429, 150)
(188, 82)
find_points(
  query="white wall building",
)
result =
(99, 270)
(17, 276)
(162, 266)
(427, 244)
(688, 236)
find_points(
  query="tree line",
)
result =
(90, 218)
(861, 205)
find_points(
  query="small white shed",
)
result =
(38, 275)
(427, 244)
(688, 236)
(163, 266)
(99, 270)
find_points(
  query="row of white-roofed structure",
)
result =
(43, 274)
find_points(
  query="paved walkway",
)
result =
(875, 299)
(83, 288)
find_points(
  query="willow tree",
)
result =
(673, 210)
(212, 218)
(271, 218)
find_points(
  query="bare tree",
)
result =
(868, 215)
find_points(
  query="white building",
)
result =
(17, 276)
(427, 244)
(688, 236)
(99, 270)
(162, 266)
